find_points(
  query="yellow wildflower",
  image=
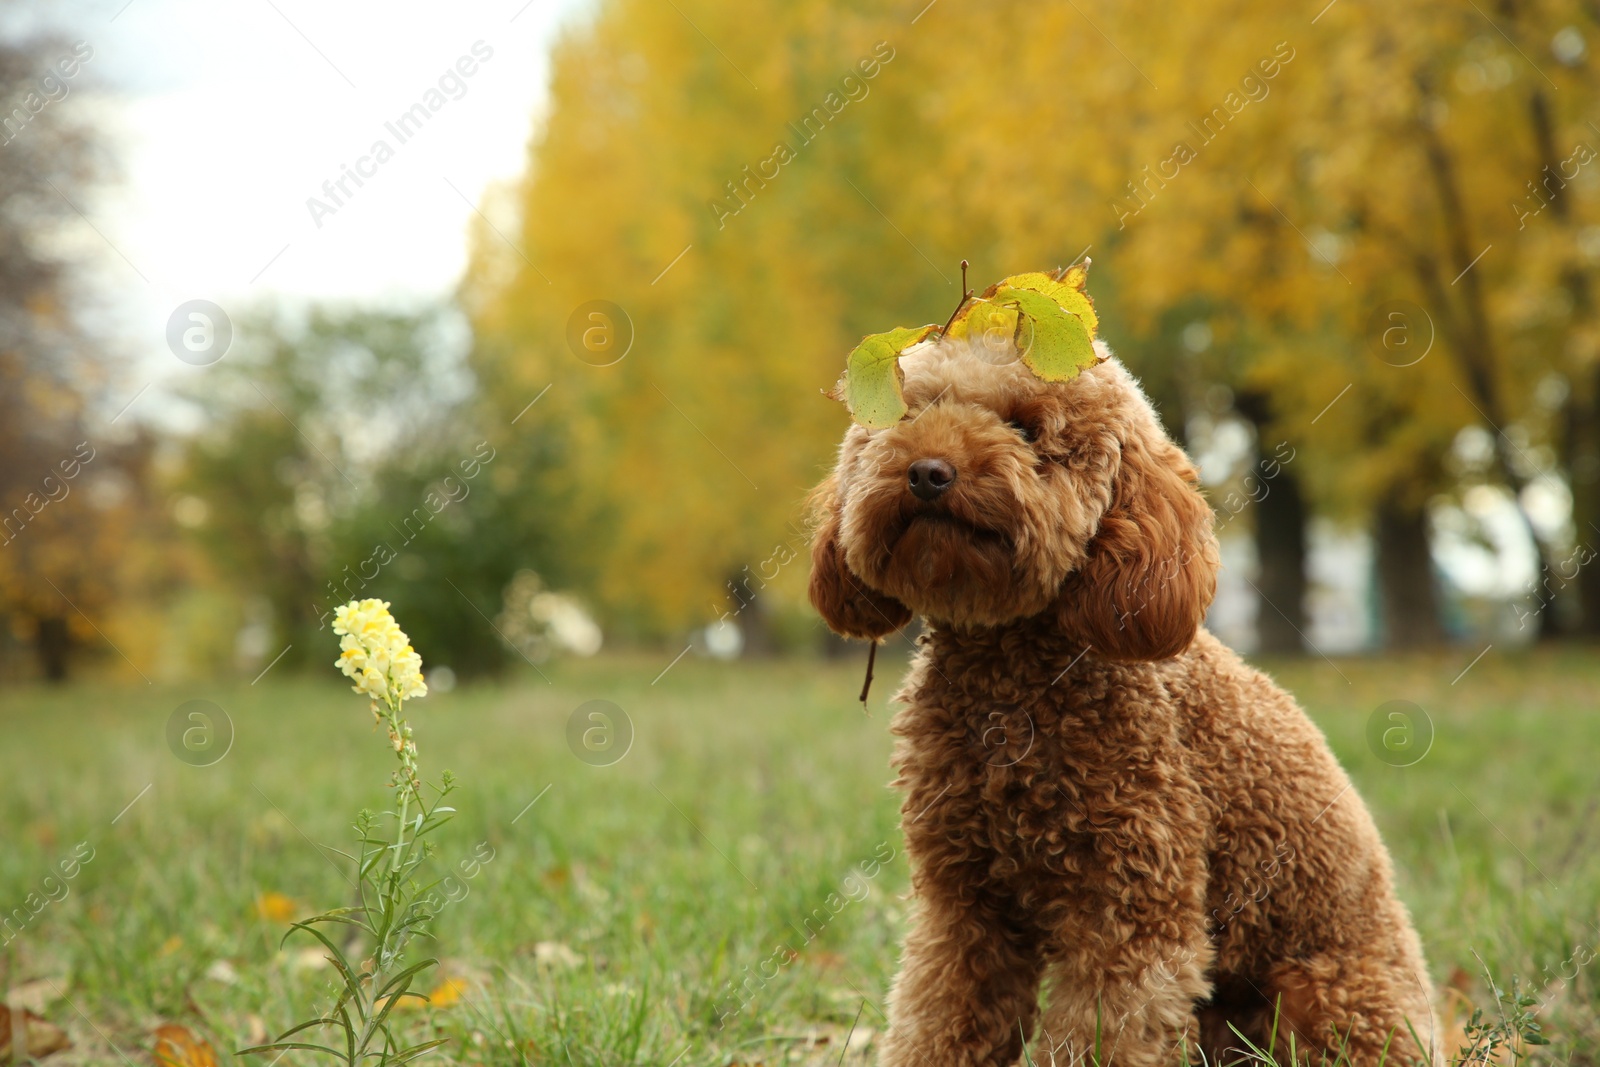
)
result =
(376, 654)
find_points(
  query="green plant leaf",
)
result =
(336, 957)
(407, 1055)
(405, 976)
(870, 386)
(284, 1046)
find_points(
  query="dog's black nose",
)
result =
(930, 478)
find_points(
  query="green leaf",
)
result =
(1058, 345)
(1048, 316)
(870, 387)
(406, 976)
(336, 957)
(407, 1055)
(1068, 291)
(284, 1046)
(984, 317)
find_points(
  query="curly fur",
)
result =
(1099, 797)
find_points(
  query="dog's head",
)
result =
(999, 497)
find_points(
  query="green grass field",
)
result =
(620, 910)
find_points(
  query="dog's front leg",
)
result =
(1128, 963)
(967, 991)
(1136, 1010)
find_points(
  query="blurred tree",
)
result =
(1300, 178)
(1396, 168)
(58, 558)
(1306, 176)
(747, 235)
(339, 458)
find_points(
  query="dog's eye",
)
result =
(1028, 433)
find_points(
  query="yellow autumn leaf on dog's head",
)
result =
(1066, 287)
(870, 387)
(1053, 342)
(1047, 317)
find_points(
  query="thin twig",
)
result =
(966, 294)
(866, 685)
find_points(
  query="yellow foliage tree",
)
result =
(1293, 178)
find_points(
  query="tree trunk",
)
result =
(1406, 589)
(1582, 447)
(1474, 342)
(52, 641)
(755, 622)
(1280, 539)
(1281, 552)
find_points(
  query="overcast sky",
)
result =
(225, 116)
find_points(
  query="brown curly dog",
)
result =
(1099, 795)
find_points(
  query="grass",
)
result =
(617, 916)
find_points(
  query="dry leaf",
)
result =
(36, 995)
(222, 971)
(309, 959)
(178, 1046)
(554, 954)
(40, 1037)
(276, 907)
(447, 992)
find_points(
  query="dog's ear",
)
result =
(846, 604)
(1152, 565)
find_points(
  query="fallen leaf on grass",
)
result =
(178, 1046)
(861, 1038)
(447, 992)
(309, 959)
(276, 907)
(555, 954)
(39, 1037)
(222, 971)
(36, 995)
